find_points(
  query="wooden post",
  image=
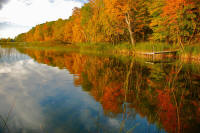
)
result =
(153, 53)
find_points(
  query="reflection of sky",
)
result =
(45, 99)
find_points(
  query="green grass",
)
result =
(154, 46)
(192, 50)
(142, 46)
(41, 45)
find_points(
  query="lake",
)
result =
(51, 91)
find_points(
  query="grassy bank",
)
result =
(190, 52)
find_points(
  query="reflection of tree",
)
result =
(5, 127)
(112, 99)
(167, 111)
(166, 94)
(173, 100)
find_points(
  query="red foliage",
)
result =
(167, 111)
(112, 99)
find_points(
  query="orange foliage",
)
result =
(112, 99)
(173, 8)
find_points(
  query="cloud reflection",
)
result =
(2, 2)
(23, 84)
(37, 90)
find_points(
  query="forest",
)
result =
(115, 21)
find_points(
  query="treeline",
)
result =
(115, 21)
(7, 40)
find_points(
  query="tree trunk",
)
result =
(180, 41)
(192, 35)
(84, 35)
(128, 21)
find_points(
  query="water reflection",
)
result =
(83, 93)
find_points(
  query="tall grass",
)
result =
(142, 46)
(192, 49)
(154, 46)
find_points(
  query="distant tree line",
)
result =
(115, 21)
(7, 40)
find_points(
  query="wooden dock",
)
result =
(162, 52)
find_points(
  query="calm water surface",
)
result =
(48, 91)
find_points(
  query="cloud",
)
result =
(32, 12)
(2, 2)
(51, 1)
(37, 11)
(6, 25)
(11, 30)
(26, 2)
(82, 1)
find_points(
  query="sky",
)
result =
(19, 16)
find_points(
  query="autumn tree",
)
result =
(127, 15)
(58, 30)
(181, 18)
(67, 33)
(20, 37)
(160, 31)
(78, 32)
(96, 22)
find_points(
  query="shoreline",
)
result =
(182, 57)
(110, 50)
